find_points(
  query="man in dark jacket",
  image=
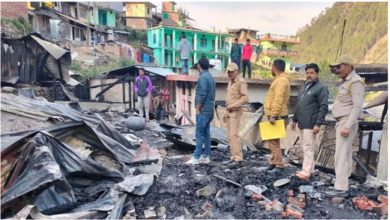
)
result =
(310, 115)
(235, 54)
(143, 86)
(204, 102)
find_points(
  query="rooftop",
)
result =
(189, 29)
(278, 38)
(146, 3)
(241, 29)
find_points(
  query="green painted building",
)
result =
(106, 17)
(274, 46)
(165, 42)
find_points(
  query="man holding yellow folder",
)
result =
(275, 108)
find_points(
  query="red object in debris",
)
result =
(255, 196)
(293, 213)
(294, 201)
(382, 209)
(382, 199)
(291, 193)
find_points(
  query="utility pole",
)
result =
(88, 29)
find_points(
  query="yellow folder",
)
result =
(269, 131)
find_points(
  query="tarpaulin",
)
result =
(46, 160)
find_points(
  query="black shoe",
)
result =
(330, 193)
(227, 162)
(276, 170)
(235, 164)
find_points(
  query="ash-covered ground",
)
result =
(176, 187)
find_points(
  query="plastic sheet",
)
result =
(48, 161)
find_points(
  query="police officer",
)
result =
(236, 97)
(347, 107)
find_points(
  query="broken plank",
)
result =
(229, 181)
(188, 117)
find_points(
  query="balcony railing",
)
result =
(279, 52)
(278, 37)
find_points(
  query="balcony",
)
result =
(276, 52)
(276, 37)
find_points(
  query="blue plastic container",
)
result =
(146, 58)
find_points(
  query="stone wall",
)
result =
(13, 10)
(116, 51)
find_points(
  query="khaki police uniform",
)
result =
(346, 110)
(236, 97)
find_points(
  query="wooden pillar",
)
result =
(382, 172)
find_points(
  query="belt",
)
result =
(341, 118)
(279, 117)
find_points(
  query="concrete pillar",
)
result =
(162, 58)
(195, 57)
(78, 10)
(216, 43)
(173, 58)
(174, 39)
(230, 47)
(382, 172)
(196, 41)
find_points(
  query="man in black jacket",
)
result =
(310, 115)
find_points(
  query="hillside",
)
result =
(365, 35)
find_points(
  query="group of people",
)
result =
(309, 115)
(245, 53)
(160, 98)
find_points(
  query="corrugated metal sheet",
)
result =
(54, 50)
(157, 70)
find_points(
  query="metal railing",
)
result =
(278, 37)
(279, 52)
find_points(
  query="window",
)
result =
(77, 33)
(35, 4)
(184, 88)
(154, 38)
(83, 12)
(165, 16)
(284, 47)
(189, 89)
(203, 42)
(148, 10)
(213, 44)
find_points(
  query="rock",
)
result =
(333, 180)
(7, 89)
(306, 189)
(163, 152)
(337, 200)
(341, 207)
(206, 191)
(150, 213)
(188, 214)
(301, 197)
(160, 211)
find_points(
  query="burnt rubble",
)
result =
(99, 168)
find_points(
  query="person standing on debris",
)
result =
(310, 115)
(155, 92)
(159, 107)
(346, 110)
(246, 58)
(143, 86)
(275, 108)
(204, 102)
(184, 51)
(236, 97)
(235, 53)
(165, 92)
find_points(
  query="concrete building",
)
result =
(274, 46)
(139, 15)
(165, 40)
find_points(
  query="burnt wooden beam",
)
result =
(110, 86)
(42, 63)
(129, 94)
(60, 70)
(124, 92)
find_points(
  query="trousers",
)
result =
(184, 65)
(274, 145)
(233, 124)
(343, 155)
(237, 62)
(245, 64)
(308, 140)
(143, 102)
(202, 135)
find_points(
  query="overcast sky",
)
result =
(274, 17)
